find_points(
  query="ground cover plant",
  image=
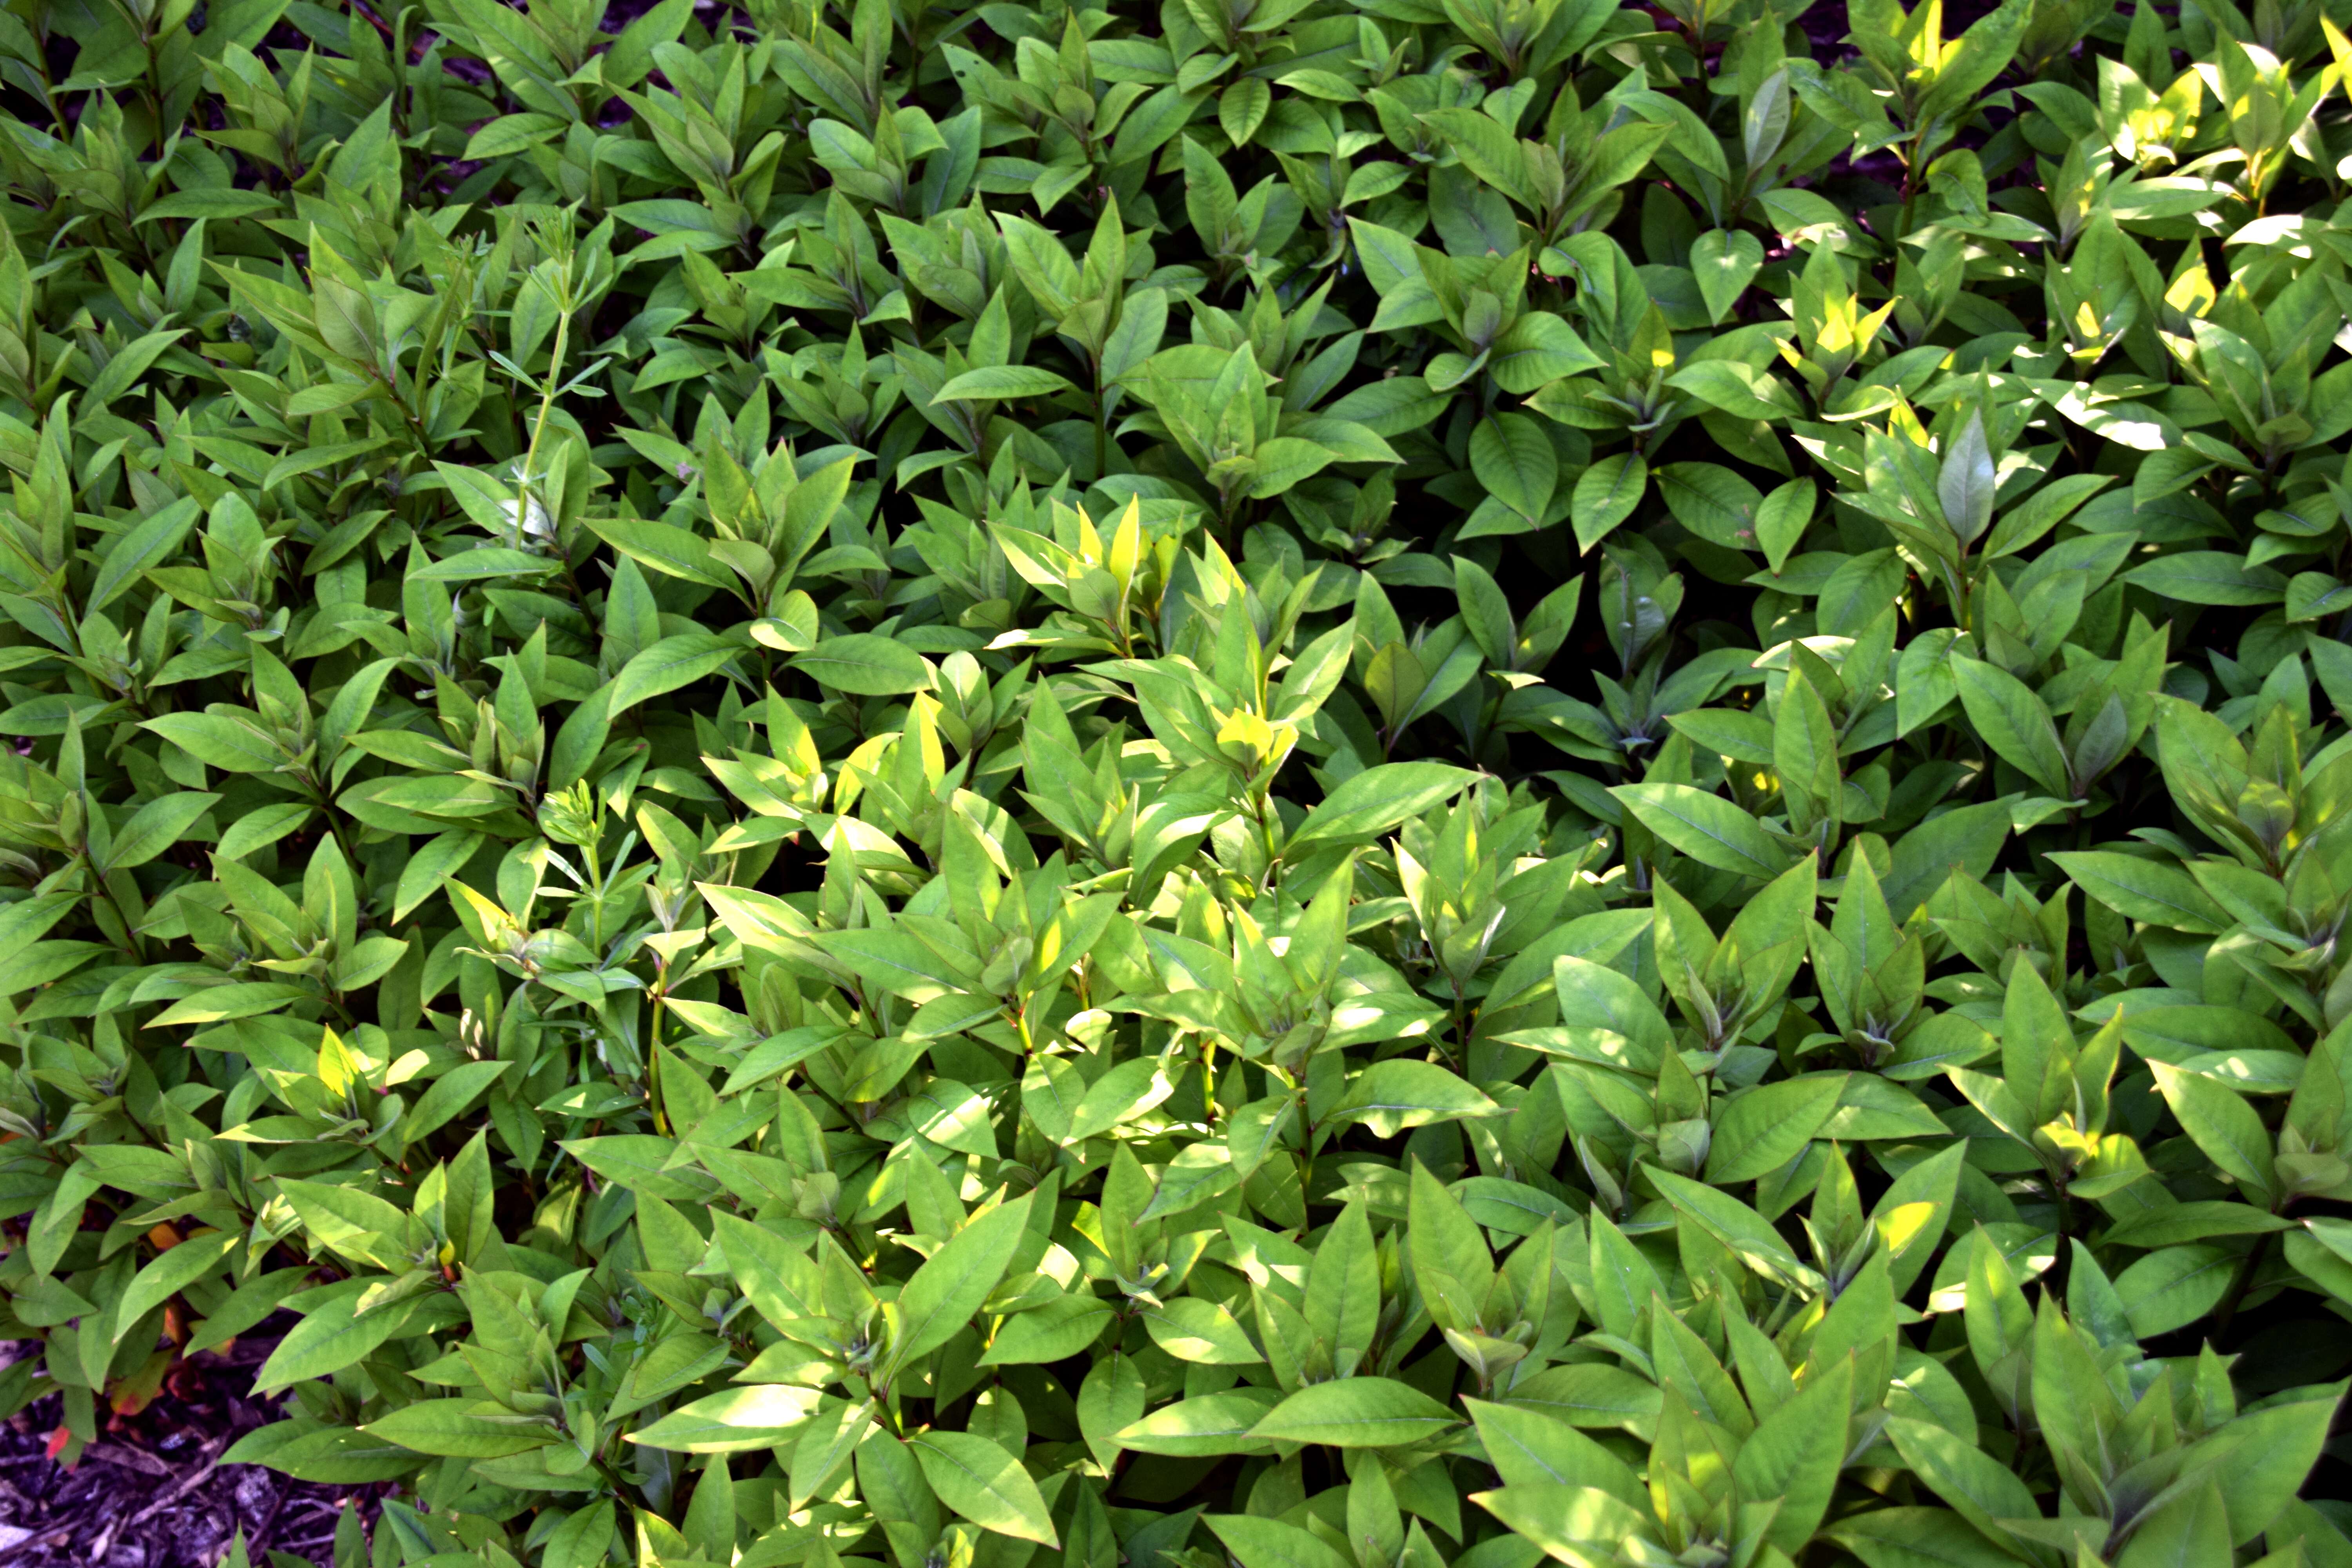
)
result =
(1326, 785)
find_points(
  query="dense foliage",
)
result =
(1339, 785)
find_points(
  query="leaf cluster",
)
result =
(1256, 782)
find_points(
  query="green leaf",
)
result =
(1450, 1261)
(1285, 461)
(1765, 1128)
(1977, 1485)
(1374, 801)
(1795, 1453)
(1726, 261)
(2192, 1527)
(1514, 459)
(1967, 838)
(1708, 828)
(734, 1421)
(332, 1456)
(2261, 1459)
(778, 1280)
(358, 1224)
(214, 201)
(1964, 482)
(156, 827)
(1357, 1412)
(2015, 723)
(171, 1273)
(1713, 502)
(1390, 1096)
(1744, 393)
(2229, 1130)
(666, 547)
(1781, 521)
(1529, 1447)
(230, 744)
(1736, 1227)
(460, 1428)
(865, 665)
(950, 1287)
(1606, 494)
(668, 665)
(264, 826)
(2198, 1221)
(148, 545)
(238, 999)
(1591, 1393)
(2174, 1287)
(449, 1094)
(2155, 892)
(1269, 1543)
(1205, 1425)
(1002, 381)
(1537, 349)
(1572, 1523)
(1917, 1538)
(332, 1337)
(2209, 577)
(980, 1480)
(486, 563)
(1193, 1330)
(1053, 1333)
(1343, 1287)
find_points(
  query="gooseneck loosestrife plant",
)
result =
(918, 783)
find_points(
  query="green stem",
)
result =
(539, 426)
(1102, 424)
(1306, 1149)
(98, 887)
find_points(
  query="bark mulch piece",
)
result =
(151, 1491)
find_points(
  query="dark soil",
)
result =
(152, 1493)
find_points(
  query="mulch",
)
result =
(151, 1491)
